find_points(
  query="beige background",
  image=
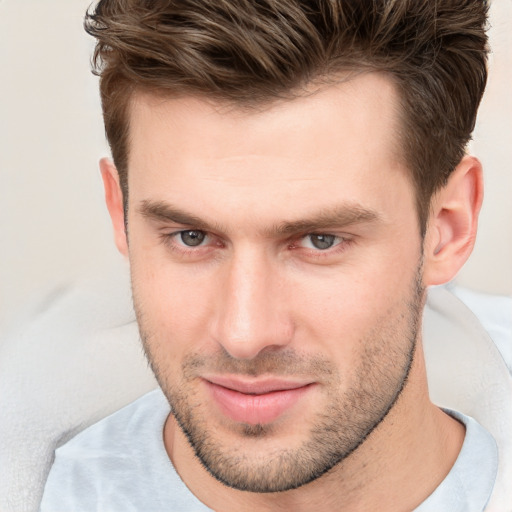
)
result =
(53, 225)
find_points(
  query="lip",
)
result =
(255, 402)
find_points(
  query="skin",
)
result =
(255, 301)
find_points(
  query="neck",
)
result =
(402, 462)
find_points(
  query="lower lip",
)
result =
(255, 409)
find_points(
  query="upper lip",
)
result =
(257, 386)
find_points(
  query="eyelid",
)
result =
(338, 236)
(323, 255)
(337, 240)
(212, 242)
(176, 236)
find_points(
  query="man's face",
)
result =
(276, 269)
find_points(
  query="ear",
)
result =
(114, 200)
(452, 226)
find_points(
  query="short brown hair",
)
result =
(249, 52)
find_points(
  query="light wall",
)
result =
(53, 224)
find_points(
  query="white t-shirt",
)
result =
(120, 465)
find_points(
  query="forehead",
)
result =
(336, 137)
(355, 101)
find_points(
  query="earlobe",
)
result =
(114, 201)
(453, 221)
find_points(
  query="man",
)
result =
(288, 178)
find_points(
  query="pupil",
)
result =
(322, 241)
(192, 238)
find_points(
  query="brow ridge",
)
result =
(328, 218)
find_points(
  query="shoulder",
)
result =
(143, 416)
(116, 457)
(467, 344)
(469, 484)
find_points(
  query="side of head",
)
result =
(250, 54)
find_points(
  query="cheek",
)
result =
(172, 304)
(343, 310)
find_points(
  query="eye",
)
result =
(192, 238)
(320, 241)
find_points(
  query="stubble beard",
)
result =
(347, 420)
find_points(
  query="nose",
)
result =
(251, 314)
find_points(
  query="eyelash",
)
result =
(341, 244)
(344, 243)
(181, 249)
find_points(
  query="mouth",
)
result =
(255, 402)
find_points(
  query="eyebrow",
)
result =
(164, 212)
(327, 218)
